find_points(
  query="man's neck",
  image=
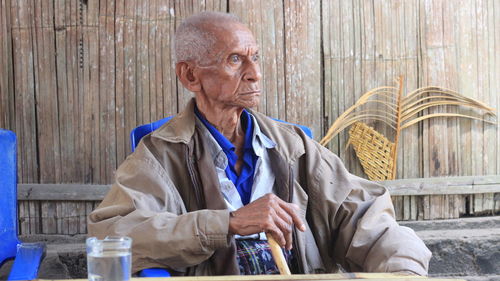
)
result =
(226, 119)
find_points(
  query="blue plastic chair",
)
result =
(27, 255)
(136, 136)
(154, 272)
(142, 130)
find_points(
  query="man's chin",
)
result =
(252, 104)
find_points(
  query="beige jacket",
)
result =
(166, 198)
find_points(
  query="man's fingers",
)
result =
(270, 214)
(286, 229)
(279, 228)
(293, 210)
(277, 235)
(284, 215)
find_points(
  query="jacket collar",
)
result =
(180, 128)
(288, 137)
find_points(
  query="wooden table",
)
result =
(311, 277)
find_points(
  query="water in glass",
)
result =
(109, 259)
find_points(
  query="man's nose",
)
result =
(252, 73)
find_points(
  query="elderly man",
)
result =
(199, 193)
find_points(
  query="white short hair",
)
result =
(193, 41)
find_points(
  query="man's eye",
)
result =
(255, 57)
(235, 59)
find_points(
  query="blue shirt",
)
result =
(244, 181)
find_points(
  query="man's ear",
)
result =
(186, 75)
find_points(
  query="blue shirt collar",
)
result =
(247, 120)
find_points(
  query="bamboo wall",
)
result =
(77, 75)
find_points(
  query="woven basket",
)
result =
(373, 150)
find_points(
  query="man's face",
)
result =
(232, 79)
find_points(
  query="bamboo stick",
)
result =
(398, 128)
(278, 256)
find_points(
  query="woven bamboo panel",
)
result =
(373, 150)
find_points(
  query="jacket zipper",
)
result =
(194, 178)
(296, 252)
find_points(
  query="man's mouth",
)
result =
(250, 92)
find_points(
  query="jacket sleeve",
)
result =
(144, 205)
(359, 217)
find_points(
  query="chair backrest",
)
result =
(142, 130)
(305, 129)
(137, 133)
(8, 197)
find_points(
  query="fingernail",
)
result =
(303, 227)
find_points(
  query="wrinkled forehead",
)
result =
(231, 38)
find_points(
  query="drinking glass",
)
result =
(109, 259)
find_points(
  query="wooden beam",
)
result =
(446, 190)
(402, 187)
(62, 192)
(446, 185)
(491, 179)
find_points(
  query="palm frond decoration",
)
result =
(388, 105)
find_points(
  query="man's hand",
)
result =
(269, 214)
